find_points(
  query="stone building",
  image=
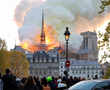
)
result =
(85, 62)
(45, 63)
(19, 48)
(42, 63)
(88, 49)
(82, 68)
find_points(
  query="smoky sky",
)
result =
(78, 15)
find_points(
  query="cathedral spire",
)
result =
(42, 32)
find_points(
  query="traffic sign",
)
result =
(67, 63)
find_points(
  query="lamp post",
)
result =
(67, 63)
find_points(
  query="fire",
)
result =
(24, 45)
(28, 46)
(48, 40)
(50, 36)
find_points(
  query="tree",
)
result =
(103, 38)
(107, 72)
(104, 45)
(2, 44)
(4, 60)
(4, 56)
(105, 3)
(104, 42)
(19, 64)
(16, 61)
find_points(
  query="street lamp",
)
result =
(67, 63)
(67, 34)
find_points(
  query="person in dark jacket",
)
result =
(30, 84)
(9, 81)
(51, 83)
(38, 83)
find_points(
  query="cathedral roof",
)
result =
(41, 52)
(88, 33)
(19, 48)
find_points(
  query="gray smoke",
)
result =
(78, 15)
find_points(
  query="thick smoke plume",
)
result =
(78, 15)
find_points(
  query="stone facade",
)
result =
(85, 62)
(82, 68)
(42, 63)
(88, 49)
(45, 63)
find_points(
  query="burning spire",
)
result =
(43, 45)
(43, 32)
(46, 40)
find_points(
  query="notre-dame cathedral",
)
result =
(44, 62)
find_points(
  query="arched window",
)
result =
(53, 60)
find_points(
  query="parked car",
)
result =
(91, 85)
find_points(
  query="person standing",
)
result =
(30, 84)
(45, 84)
(38, 83)
(9, 81)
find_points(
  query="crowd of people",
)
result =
(11, 82)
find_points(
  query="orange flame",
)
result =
(28, 46)
(50, 36)
(24, 45)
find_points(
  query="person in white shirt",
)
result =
(61, 85)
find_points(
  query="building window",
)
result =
(53, 60)
(73, 72)
(50, 60)
(47, 59)
(79, 72)
(40, 60)
(44, 60)
(36, 60)
(76, 72)
(61, 70)
(36, 73)
(61, 66)
(86, 42)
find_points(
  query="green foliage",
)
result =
(19, 64)
(105, 3)
(104, 44)
(4, 60)
(2, 45)
(108, 28)
(16, 61)
(107, 73)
